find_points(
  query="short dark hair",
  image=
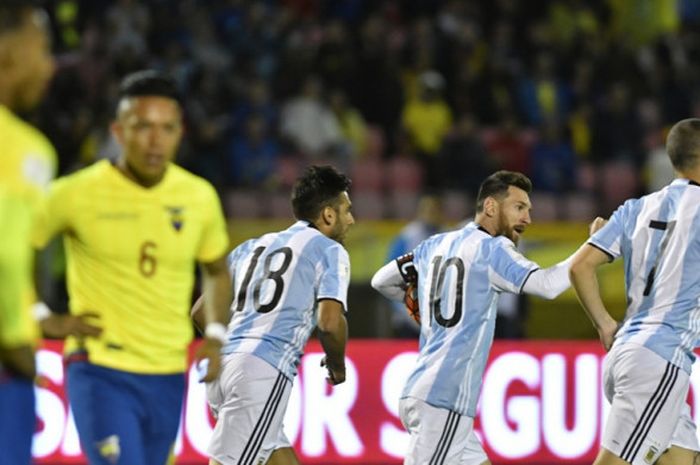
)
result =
(316, 189)
(13, 14)
(683, 144)
(149, 83)
(497, 186)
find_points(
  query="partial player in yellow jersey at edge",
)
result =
(27, 164)
(133, 229)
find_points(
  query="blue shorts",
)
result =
(124, 418)
(17, 420)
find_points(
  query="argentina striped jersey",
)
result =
(658, 236)
(277, 282)
(460, 275)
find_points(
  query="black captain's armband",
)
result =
(407, 269)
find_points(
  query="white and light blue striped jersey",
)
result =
(277, 281)
(658, 236)
(460, 275)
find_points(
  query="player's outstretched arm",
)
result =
(389, 282)
(215, 300)
(333, 334)
(550, 282)
(585, 282)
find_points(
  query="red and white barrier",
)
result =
(541, 402)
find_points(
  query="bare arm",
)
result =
(333, 333)
(216, 291)
(213, 314)
(585, 282)
(197, 314)
(61, 325)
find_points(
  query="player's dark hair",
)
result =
(317, 188)
(683, 144)
(497, 185)
(149, 83)
(13, 14)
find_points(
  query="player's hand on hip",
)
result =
(336, 371)
(19, 361)
(62, 326)
(607, 334)
(596, 224)
(209, 349)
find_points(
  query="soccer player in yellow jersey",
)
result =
(27, 164)
(133, 230)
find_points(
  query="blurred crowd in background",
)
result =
(404, 95)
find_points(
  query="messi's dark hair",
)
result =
(317, 188)
(683, 144)
(497, 186)
(149, 83)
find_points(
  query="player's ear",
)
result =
(328, 215)
(117, 130)
(490, 206)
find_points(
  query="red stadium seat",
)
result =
(404, 174)
(620, 181)
(458, 206)
(243, 203)
(367, 205)
(280, 205)
(402, 204)
(579, 206)
(367, 175)
(376, 143)
(544, 206)
(288, 169)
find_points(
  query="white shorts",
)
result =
(649, 411)
(249, 400)
(439, 436)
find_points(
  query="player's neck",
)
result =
(486, 223)
(124, 168)
(693, 175)
(6, 99)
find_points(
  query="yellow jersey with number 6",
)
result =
(131, 253)
(27, 164)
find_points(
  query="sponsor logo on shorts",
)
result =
(109, 448)
(650, 456)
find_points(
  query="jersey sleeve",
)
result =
(609, 237)
(53, 213)
(214, 242)
(335, 275)
(508, 268)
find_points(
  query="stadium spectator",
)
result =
(464, 161)
(428, 221)
(427, 119)
(553, 160)
(252, 157)
(310, 125)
